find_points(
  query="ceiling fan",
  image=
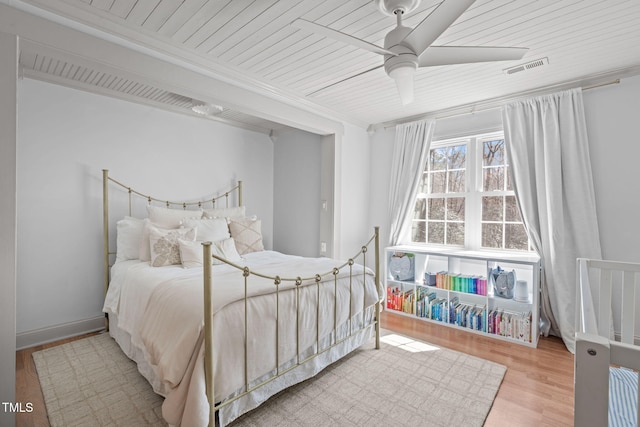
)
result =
(406, 49)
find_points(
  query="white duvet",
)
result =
(161, 308)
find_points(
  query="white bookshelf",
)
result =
(459, 301)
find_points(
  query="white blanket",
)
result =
(169, 329)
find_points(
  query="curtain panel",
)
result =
(548, 150)
(410, 152)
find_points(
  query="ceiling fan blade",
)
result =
(426, 32)
(445, 55)
(342, 37)
(345, 79)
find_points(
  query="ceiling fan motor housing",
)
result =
(405, 55)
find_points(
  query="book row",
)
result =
(457, 282)
(454, 312)
(511, 325)
(424, 303)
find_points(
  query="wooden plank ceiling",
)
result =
(254, 41)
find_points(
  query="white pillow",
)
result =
(128, 236)
(170, 218)
(209, 230)
(164, 246)
(191, 252)
(238, 211)
(144, 251)
(247, 233)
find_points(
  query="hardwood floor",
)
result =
(538, 387)
(536, 391)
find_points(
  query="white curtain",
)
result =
(548, 151)
(410, 152)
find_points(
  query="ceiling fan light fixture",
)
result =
(403, 76)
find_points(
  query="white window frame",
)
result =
(473, 190)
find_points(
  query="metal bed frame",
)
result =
(277, 281)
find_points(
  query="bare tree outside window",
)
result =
(451, 208)
(439, 215)
(502, 225)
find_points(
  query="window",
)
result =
(466, 199)
(440, 206)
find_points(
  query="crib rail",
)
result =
(594, 311)
(601, 285)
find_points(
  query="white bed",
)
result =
(157, 315)
(606, 362)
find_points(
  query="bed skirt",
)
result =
(246, 403)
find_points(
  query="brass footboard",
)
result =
(277, 281)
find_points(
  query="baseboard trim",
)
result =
(58, 332)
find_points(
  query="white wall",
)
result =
(353, 193)
(612, 123)
(300, 165)
(328, 230)
(65, 138)
(296, 191)
(380, 172)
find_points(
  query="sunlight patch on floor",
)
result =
(407, 344)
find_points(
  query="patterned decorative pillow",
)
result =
(247, 233)
(165, 249)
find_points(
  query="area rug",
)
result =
(407, 382)
(90, 382)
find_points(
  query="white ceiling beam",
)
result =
(196, 83)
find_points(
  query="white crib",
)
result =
(601, 286)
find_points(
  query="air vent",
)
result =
(527, 66)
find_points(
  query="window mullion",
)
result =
(473, 198)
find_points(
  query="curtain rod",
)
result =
(494, 106)
(613, 82)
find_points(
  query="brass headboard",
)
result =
(106, 179)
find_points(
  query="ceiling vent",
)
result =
(527, 66)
